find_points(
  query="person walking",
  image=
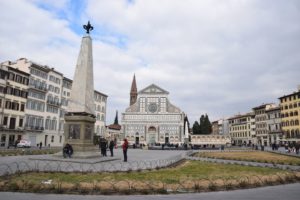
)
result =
(111, 147)
(125, 147)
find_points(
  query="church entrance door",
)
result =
(166, 140)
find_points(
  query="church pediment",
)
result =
(153, 89)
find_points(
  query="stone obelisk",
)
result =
(80, 117)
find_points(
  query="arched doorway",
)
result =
(151, 135)
(167, 138)
(137, 138)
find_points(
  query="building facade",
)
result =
(241, 129)
(261, 126)
(289, 110)
(153, 119)
(13, 97)
(274, 125)
(48, 96)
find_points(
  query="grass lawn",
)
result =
(192, 170)
(254, 156)
(190, 175)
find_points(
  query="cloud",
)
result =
(215, 57)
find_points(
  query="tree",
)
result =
(196, 128)
(116, 118)
(202, 125)
(207, 125)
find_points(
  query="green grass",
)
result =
(252, 156)
(190, 170)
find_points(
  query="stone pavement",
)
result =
(279, 192)
(138, 159)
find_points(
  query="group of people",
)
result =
(103, 145)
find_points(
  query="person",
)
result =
(125, 147)
(41, 145)
(67, 150)
(111, 147)
(103, 146)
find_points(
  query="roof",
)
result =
(114, 126)
(261, 106)
(288, 95)
(240, 116)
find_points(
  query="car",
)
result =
(24, 144)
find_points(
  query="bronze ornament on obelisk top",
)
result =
(80, 117)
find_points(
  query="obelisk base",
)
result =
(79, 133)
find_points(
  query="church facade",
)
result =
(151, 118)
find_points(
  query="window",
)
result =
(20, 122)
(52, 138)
(5, 120)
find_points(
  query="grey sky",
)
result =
(215, 57)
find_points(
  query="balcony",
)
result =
(39, 88)
(53, 103)
(10, 129)
(34, 128)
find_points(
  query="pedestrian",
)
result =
(41, 145)
(103, 146)
(125, 147)
(111, 147)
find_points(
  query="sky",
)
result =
(213, 56)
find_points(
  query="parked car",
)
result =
(24, 144)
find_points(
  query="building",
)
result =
(215, 127)
(261, 127)
(289, 110)
(241, 129)
(151, 118)
(274, 125)
(13, 97)
(223, 126)
(48, 96)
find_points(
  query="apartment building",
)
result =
(241, 129)
(261, 126)
(274, 125)
(48, 95)
(13, 96)
(289, 110)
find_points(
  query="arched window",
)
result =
(98, 108)
(292, 123)
(291, 114)
(296, 122)
(98, 116)
(152, 128)
(286, 115)
(296, 113)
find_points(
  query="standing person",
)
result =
(41, 145)
(125, 147)
(111, 147)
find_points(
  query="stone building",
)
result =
(261, 127)
(151, 118)
(274, 125)
(290, 115)
(241, 129)
(13, 97)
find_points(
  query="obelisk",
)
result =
(80, 117)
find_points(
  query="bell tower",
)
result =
(133, 92)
